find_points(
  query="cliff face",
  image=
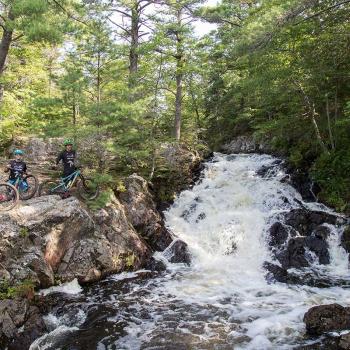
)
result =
(48, 239)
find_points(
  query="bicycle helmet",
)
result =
(68, 142)
(18, 152)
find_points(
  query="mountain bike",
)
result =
(9, 196)
(26, 185)
(87, 188)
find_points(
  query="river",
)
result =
(223, 300)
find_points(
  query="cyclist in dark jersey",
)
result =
(68, 158)
(17, 166)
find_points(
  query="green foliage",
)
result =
(332, 173)
(24, 289)
(279, 71)
(101, 201)
(23, 232)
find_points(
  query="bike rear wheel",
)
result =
(8, 197)
(88, 189)
(28, 187)
(49, 187)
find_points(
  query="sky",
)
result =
(201, 27)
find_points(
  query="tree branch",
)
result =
(68, 13)
(119, 26)
(323, 11)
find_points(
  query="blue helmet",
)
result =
(18, 152)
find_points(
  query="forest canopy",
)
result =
(133, 74)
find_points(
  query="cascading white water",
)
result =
(223, 219)
(223, 300)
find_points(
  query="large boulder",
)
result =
(47, 239)
(177, 167)
(20, 324)
(142, 213)
(327, 318)
(178, 252)
(300, 232)
(345, 239)
(306, 221)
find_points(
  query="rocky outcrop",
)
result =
(142, 213)
(177, 167)
(345, 239)
(20, 324)
(327, 318)
(246, 144)
(296, 240)
(47, 238)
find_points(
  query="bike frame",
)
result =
(68, 179)
(18, 181)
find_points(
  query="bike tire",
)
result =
(12, 197)
(87, 189)
(34, 188)
(46, 188)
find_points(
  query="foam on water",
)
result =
(223, 299)
(230, 211)
(72, 287)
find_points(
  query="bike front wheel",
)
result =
(88, 189)
(49, 187)
(8, 197)
(28, 187)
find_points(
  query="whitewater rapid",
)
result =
(223, 300)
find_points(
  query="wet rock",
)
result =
(301, 181)
(20, 324)
(327, 318)
(294, 255)
(322, 232)
(308, 278)
(178, 252)
(269, 170)
(278, 234)
(276, 273)
(344, 342)
(155, 265)
(306, 221)
(141, 211)
(345, 239)
(327, 343)
(319, 247)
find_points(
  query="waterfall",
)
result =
(223, 300)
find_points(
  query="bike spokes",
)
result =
(88, 189)
(49, 187)
(27, 187)
(8, 197)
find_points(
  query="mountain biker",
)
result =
(16, 167)
(68, 158)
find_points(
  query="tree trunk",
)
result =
(4, 50)
(134, 46)
(329, 124)
(178, 101)
(179, 78)
(317, 130)
(311, 113)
